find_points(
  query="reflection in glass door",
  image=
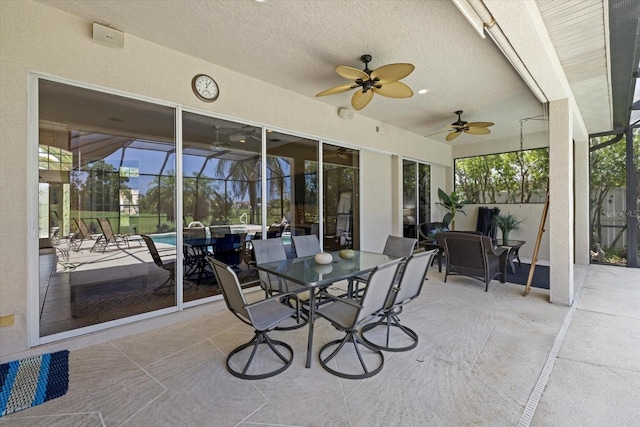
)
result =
(416, 201)
(106, 169)
(291, 187)
(341, 176)
(221, 183)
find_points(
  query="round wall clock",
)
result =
(205, 88)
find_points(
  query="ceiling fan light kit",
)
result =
(383, 81)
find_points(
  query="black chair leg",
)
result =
(260, 338)
(351, 337)
(390, 320)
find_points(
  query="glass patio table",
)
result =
(195, 256)
(306, 272)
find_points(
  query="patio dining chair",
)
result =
(108, 236)
(412, 278)
(305, 245)
(347, 315)
(395, 246)
(264, 316)
(219, 230)
(169, 285)
(271, 250)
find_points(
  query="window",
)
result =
(515, 177)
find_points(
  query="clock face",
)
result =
(205, 88)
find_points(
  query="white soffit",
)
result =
(578, 31)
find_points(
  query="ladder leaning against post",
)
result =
(534, 260)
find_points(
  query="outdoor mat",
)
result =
(32, 381)
(540, 275)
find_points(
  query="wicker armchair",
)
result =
(473, 255)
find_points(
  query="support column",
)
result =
(581, 205)
(561, 200)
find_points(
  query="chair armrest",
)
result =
(279, 296)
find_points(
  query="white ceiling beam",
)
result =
(523, 27)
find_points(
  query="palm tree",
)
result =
(161, 196)
(244, 176)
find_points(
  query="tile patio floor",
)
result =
(478, 360)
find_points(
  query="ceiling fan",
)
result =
(473, 128)
(245, 133)
(341, 153)
(217, 143)
(383, 81)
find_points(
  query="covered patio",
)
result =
(504, 361)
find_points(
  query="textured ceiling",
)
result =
(297, 44)
(577, 30)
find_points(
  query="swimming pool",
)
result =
(167, 238)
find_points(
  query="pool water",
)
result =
(168, 238)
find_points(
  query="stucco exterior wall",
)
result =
(38, 38)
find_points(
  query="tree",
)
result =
(515, 176)
(161, 196)
(100, 190)
(608, 172)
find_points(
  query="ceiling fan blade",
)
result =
(436, 133)
(477, 131)
(395, 90)
(480, 124)
(392, 72)
(351, 73)
(452, 136)
(361, 99)
(337, 89)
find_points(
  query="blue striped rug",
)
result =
(29, 382)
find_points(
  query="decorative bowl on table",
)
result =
(346, 253)
(323, 258)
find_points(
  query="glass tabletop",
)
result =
(307, 272)
(510, 243)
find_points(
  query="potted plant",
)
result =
(454, 204)
(507, 223)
